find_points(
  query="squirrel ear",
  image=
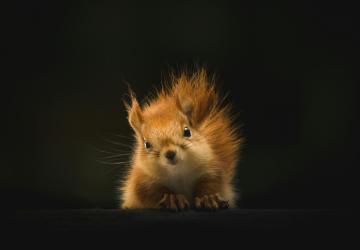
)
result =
(185, 105)
(134, 113)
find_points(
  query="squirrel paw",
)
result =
(210, 202)
(174, 202)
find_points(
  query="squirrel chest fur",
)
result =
(186, 148)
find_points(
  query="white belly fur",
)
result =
(181, 180)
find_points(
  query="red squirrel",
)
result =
(186, 148)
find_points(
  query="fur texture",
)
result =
(202, 171)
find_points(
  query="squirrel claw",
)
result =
(174, 202)
(210, 202)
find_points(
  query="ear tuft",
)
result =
(196, 95)
(134, 112)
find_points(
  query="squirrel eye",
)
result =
(187, 132)
(147, 144)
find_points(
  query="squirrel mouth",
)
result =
(172, 162)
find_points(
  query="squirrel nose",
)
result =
(170, 155)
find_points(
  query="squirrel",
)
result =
(186, 148)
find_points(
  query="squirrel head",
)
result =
(168, 128)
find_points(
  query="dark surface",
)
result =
(303, 221)
(234, 228)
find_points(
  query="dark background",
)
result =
(290, 72)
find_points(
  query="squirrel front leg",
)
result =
(207, 194)
(150, 194)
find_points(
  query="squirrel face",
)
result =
(168, 143)
(166, 138)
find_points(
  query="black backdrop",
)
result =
(290, 72)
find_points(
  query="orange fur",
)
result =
(204, 163)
